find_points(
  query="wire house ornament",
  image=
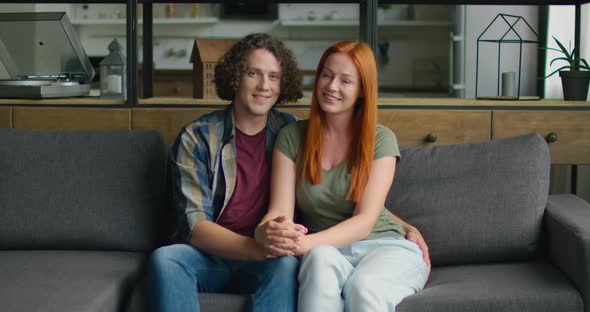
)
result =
(505, 29)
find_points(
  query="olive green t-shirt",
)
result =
(324, 205)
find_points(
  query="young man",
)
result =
(220, 172)
(221, 177)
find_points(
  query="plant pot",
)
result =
(575, 85)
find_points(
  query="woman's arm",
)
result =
(414, 235)
(365, 214)
(276, 231)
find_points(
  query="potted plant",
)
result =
(575, 76)
(390, 12)
(381, 9)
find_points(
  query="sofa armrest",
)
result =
(567, 220)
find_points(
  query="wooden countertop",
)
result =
(68, 101)
(383, 102)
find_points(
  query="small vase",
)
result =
(380, 16)
(575, 85)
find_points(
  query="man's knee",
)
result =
(287, 265)
(166, 256)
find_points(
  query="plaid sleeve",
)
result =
(191, 186)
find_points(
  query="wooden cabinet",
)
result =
(567, 132)
(423, 127)
(302, 113)
(168, 121)
(416, 122)
(5, 117)
(70, 118)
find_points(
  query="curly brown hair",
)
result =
(232, 66)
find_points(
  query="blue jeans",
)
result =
(368, 275)
(179, 272)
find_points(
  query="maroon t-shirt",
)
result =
(249, 202)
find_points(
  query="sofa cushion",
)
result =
(68, 280)
(534, 286)
(81, 189)
(475, 203)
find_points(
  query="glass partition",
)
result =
(414, 49)
(306, 28)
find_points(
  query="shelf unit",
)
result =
(367, 24)
(158, 21)
(283, 23)
(355, 23)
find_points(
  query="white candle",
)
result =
(509, 84)
(114, 83)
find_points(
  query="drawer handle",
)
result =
(430, 138)
(551, 137)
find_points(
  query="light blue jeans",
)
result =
(179, 272)
(369, 275)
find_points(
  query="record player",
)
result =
(43, 57)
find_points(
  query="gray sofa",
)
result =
(82, 210)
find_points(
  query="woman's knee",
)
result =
(360, 286)
(321, 260)
(321, 255)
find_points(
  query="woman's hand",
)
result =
(304, 244)
(279, 236)
(412, 234)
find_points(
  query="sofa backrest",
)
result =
(101, 190)
(475, 203)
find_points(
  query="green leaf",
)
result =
(558, 59)
(556, 71)
(563, 49)
(552, 49)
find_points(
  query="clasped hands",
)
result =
(282, 237)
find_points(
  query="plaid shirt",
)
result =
(203, 165)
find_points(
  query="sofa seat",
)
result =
(209, 302)
(63, 280)
(534, 286)
(525, 286)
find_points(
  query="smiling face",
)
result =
(339, 84)
(260, 84)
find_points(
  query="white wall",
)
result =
(561, 26)
(561, 175)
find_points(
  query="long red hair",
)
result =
(364, 121)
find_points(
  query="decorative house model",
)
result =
(506, 36)
(205, 55)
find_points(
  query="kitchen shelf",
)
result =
(318, 23)
(414, 24)
(355, 23)
(157, 21)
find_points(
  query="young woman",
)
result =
(339, 166)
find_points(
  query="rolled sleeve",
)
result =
(289, 139)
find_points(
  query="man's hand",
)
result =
(412, 234)
(279, 236)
